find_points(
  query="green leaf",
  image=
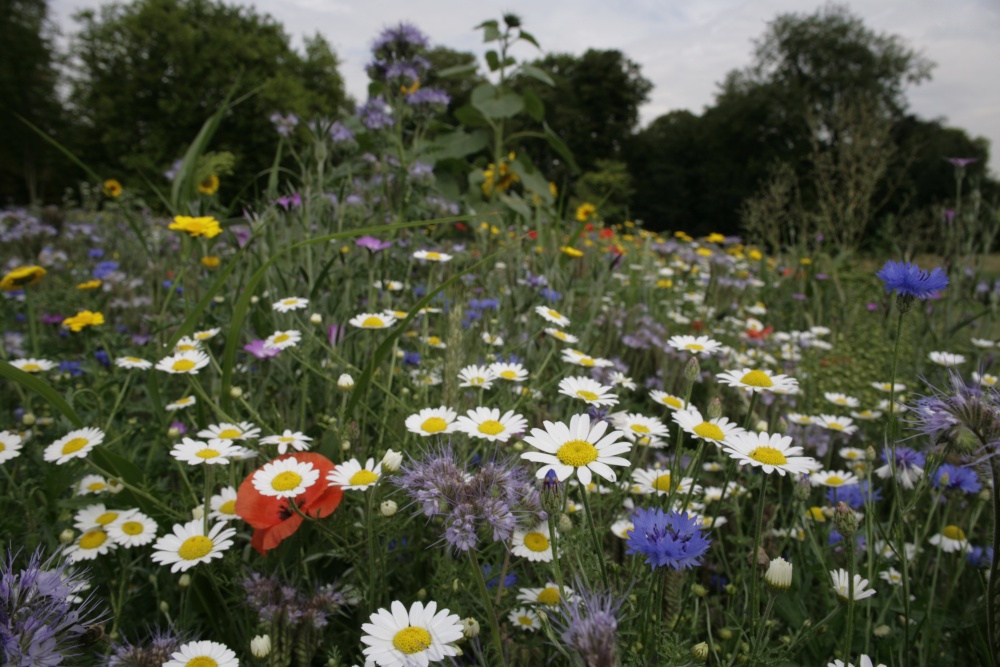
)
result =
(42, 388)
(532, 179)
(528, 37)
(560, 147)
(457, 69)
(487, 24)
(62, 149)
(533, 105)
(490, 32)
(459, 144)
(493, 60)
(517, 205)
(505, 106)
(537, 73)
(468, 116)
(483, 92)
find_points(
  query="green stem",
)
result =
(490, 613)
(32, 321)
(598, 550)
(992, 601)
(849, 634)
(754, 574)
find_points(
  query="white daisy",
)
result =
(432, 256)
(512, 372)
(222, 505)
(622, 528)
(388, 285)
(549, 595)
(133, 362)
(581, 446)
(281, 340)
(188, 545)
(196, 452)
(663, 398)
(285, 478)
(833, 478)
(432, 421)
(181, 403)
(373, 320)
(842, 400)
(578, 358)
(89, 484)
(759, 380)
(206, 334)
(769, 452)
(33, 365)
(491, 339)
(951, 539)
(801, 420)
(562, 335)
(891, 576)
(352, 476)
(842, 582)
(74, 445)
(89, 545)
(225, 431)
(411, 638)
(589, 391)
(488, 424)
(183, 362)
(635, 426)
(834, 423)
(289, 304)
(946, 359)
(619, 379)
(887, 387)
(435, 342)
(985, 380)
(701, 345)
(866, 415)
(719, 430)
(10, 445)
(99, 516)
(478, 377)
(983, 343)
(660, 482)
(899, 408)
(297, 441)
(187, 344)
(552, 315)
(135, 530)
(203, 654)
(524, 619)
(851, 453)
(533, 544)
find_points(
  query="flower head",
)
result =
(21, 277)
(582, 446)
(672, 539)
(403, 637)
(82, 319)
(842, 586)
(909, 281)
(188, 545)
(588, 625)
(206, 226)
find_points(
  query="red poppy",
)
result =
(607, 233)
(273, 518)
(589, 227)
(462, 227)
(532, 234)
(759, 335)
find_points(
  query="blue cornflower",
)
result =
(672, 539)
(411, 358)
(549, 294)
(853, 494)
(102, 358)
(981, 557)
(74, 368)
(509, 580)
(104, 269)
(909, 280)
(956, 477)
(908, 466)
(95, 253)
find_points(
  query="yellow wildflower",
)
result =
(205, 226)
(84, 318)
(90, 284)
(211, 262)
(21, 276)
(715, 237)
(586, 211)
(209, 186)
(572, 252)
(112, 188)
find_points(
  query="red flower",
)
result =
(462, 227)
(759, 335)
(532, 234)
(273, 517)
(607, 233)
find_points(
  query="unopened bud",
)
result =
(762, 560)
(470, 627)
(173, 432)
(115, 485)
(779, 575)
(254, 299)
(218, 298)
(198, 512)
(565, 523)
(699, 590)
(700, 652)
(316, 318)
(345, 382)
(692, 369)
(28, 419)
(802, 489)
(761, 426)
(870, 453)
(164, 607)
(388, 508)
(260, 646)
(67, 536)
(184, 581)
(881, 631)
(391, 461)
(845, 520)
(422, 594)
(714, 410)
(345, 445)
(235, 392)
(725, 634)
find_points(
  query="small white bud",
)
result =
(67, 536)
(391, 461)
(235, 392)
(260, 646)
(470, 627)
(761, 426)
(164, 607)
(345, 382)
(254, 299)
(779, 575)
(346, 445)
(218, 298)
(184, 581)
(388, 508)
(173, 432)
(316, 318)
(198, 512)
(28, 419)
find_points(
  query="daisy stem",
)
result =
(490, 613)
(849, 634)
(890, 455)
(32, 323)
(372, 564)
(758, 525)
(599, 552)
(210, 403)
(209, 478)
(749, 417)
(118, 402)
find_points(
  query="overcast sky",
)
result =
(685, 47)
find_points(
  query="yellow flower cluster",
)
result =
(84, 318)
(21, 276)
(205, 226)
(499, 180)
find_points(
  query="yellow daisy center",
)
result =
(587, 395)
(508, 375)
(640, 428)
(555, 313)
(31, 368)
(577, 453)
(954, 533)
(549, 596)
(662, 483)
(362, 477)
(186, 347)
(672, 401)
(286, 481)
(372, 322)
(93, 486)
(93, 539)
(768, 456)
(536, 542)
(525, 621)
(106, 518)
(491, 427)
(433, 425)
(183, 365)
(195, 547)
(229, 433)
(228, 507)
(832, 480)
(411, 639)
(281, 338)
(816, 513)
(561, 336)
(207, 453)
(133, 360)
(132, 528)
(834, 426)
(286, 439)
(694, 347)
(840, 400)
(757, 379)
(290, 302)
(710, 431)
(433, 255)
(201, 661)
(586, 361)
(433, 340)
(75, 445)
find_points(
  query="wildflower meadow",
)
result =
(399, 407)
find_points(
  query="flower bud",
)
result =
(164, 607)
(198, 512)
(725, 634)
(218, 298)
(67, 536)
(422, 594)
(235, 392)
(700, 652)
(388, 508)
(254, 299)
(173, 432)
(260, 646)
(870, 453)
(345, 382)
(115, 485)
(345, 445)
(470, 627)
(565, 523)
(762, 560)
(845, 520)
(699, 590)
(802, 489)
(184, 581)
(391, 461)
(714, 410)
(761, 426)
(28, 419)
(692, 369)
(881, 631)
(316, 318)
(779, 575)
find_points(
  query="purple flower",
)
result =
(290, 202)
(428, 97)
(257, 349)
(949, 215)
(335, 334)
(372, 244)
(374, 114)
(181, 428)
(104, 269)
(909, 281)
(673, 539)
(954, 477)
(962, 162)
(981, 557)
(799, 297)
(399, 37)
(853, 494)
(948, 415)
(284, 125)
(339, 134)
(156, 651)
(589, 625)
